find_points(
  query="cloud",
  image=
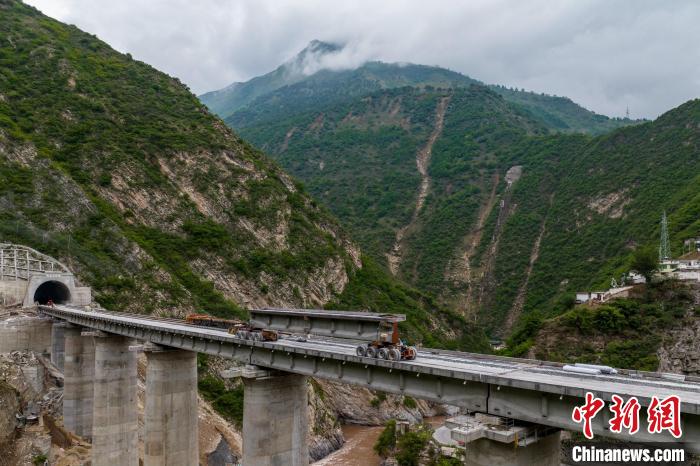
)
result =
(604, 55)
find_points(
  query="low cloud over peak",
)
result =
(606, 56)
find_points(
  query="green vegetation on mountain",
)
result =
(357, 158)
(119, 171)
(372, 288)
(593, 202)
(561, 114)
(480, 131)
(327, 87)
(488, 246)
(237, 95)
(624, 333)
(360, 160)
(225, 395)
(305, 84)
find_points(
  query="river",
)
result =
(359, 445)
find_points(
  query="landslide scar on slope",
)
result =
(460, 271)
(422, 162)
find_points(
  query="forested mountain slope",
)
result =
(309, 81)
(589, 203)
(513, 218)
(361, 159)
(118, 170)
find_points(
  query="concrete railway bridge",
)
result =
(100, 386)
(97, 349)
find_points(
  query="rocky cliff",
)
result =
(680, 351)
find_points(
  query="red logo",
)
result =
(587, 412)
(624, 415)
(665, 415)
(662, 415)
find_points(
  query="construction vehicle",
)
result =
(388, 345)
(235, 327)
(266, 325)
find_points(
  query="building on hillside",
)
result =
(687, 266)
(594, 297)
(589, 296)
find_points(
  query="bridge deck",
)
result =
(527, 390)
(539, 375)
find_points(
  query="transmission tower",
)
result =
(664, 246)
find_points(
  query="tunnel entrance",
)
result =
(52, 290)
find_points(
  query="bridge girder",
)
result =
(535, 402)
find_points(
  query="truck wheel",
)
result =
(371, 352)
(394, 354)
(383, 353)
(412, 353)
(256, 336)
(361, 351)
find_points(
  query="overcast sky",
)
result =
(604, 54)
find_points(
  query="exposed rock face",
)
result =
(680, 352)
(325, 435)
(18, 395)
(357, 405)
(9, 406)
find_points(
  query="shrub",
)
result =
(387, 440)
(409, 402)
(228, 403)
(409, 447)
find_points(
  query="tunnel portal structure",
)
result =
(28, 277)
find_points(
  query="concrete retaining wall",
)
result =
(12, 292)
(23, 333)
(81, 296)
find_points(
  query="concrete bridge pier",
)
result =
(275, 420)
(58, 344)
(115, 417)
(78, 381)
(486, 452)
(171, 430)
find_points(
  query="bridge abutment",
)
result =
(115, 417)
(78, 381)
(275, 421)
(171, 436)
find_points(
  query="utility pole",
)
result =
(664, 246)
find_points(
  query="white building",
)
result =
(687, 266)
(589, 296)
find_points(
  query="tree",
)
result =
(645, 262)
(387, 440)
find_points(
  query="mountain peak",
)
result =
(319, 46)
(316, 56)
